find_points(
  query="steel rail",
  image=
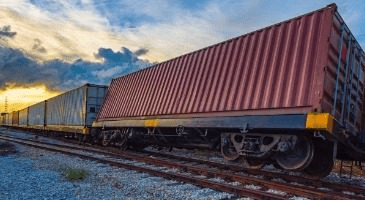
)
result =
(224, 187)
(289, 188)
(307, 180)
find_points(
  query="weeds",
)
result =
(75, 174)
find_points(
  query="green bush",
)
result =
(75, 174)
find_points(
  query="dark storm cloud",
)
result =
(141, 52)
(38, 46)
(16, 68)
(5, 32)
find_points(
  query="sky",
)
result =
(50, 46)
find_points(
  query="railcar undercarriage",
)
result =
(296, 152)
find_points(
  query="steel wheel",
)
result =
(122, 141)
(106, 140)
(322, 162)
(298, 158)
(253, 163)
(228, 151)
(79, 137)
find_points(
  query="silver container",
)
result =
(9, 119)
(77, 107)
(36, 115)
(23, 117)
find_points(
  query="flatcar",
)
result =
(291, 94)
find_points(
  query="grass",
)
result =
(75, 174)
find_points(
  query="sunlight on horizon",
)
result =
(20, 97)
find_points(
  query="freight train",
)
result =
(71, 112)
(291, 94)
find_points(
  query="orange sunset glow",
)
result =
(19, 97)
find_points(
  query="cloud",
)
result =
(16, 68)
(72, 30)
(68, 35)
(6, 33)
(107, 73)
(168, 29)
(37, 46)
(141, 51)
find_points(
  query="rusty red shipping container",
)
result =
(286, 68)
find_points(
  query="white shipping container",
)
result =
(95, 97)
(23, 117)
(77, 107)
(36, 114)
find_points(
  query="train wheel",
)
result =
(80, 138)
(276, 165)
(122, 141)
(253, 163)
(106, 140)
(322, 162)
(228, 150)
(85, 138)
(298, 158)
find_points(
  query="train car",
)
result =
(23, 118)
(3, 119)
(73, 111)
(36, 116)
(290, 94)
(15, 118)
(9, 120)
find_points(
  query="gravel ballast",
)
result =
(42, 176)
(32, 173)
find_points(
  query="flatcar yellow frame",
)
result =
(322, 121)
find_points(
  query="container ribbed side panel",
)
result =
(9, 120)
(23, 117)
(15, 118)
(273, 68)
(67, 109)
(36, 114)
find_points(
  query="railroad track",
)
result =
(268, 175)
(200, 172)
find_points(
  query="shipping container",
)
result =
(295, 86)
(95, 97)
(36, 115)
(15, 118)
(9, 120)
(75, 109)
(3, 119)
(269, 78)
(23, 117)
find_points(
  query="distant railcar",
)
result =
(3, 118)
(72, 112)
(15, 118)
(9, 120)
(37, 115)
(23, 117)
(75, 110)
